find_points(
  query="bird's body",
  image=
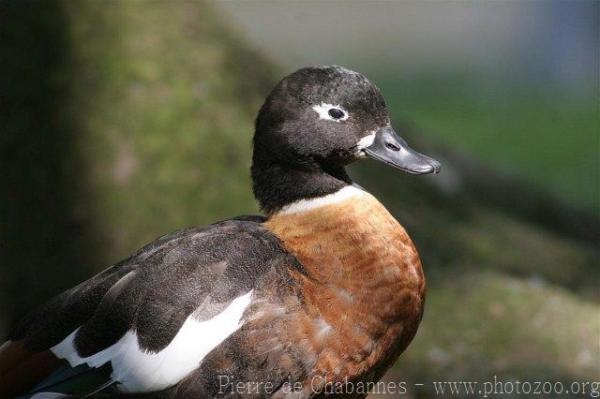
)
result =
(327, 288)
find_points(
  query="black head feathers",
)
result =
(316, 115)
(313, 123)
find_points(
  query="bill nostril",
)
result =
(392, 146)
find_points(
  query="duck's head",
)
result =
(313, 123)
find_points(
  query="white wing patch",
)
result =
(323, 111)
(66, 349)
(139, 371)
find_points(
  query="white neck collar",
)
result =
(304, 205)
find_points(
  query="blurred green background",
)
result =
(122, 121)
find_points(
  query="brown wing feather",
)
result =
(21, 369)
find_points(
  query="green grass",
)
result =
(545, 136)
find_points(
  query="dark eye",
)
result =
(336, 113)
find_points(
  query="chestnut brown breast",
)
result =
(363, 290)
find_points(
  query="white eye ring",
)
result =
(323, 110)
